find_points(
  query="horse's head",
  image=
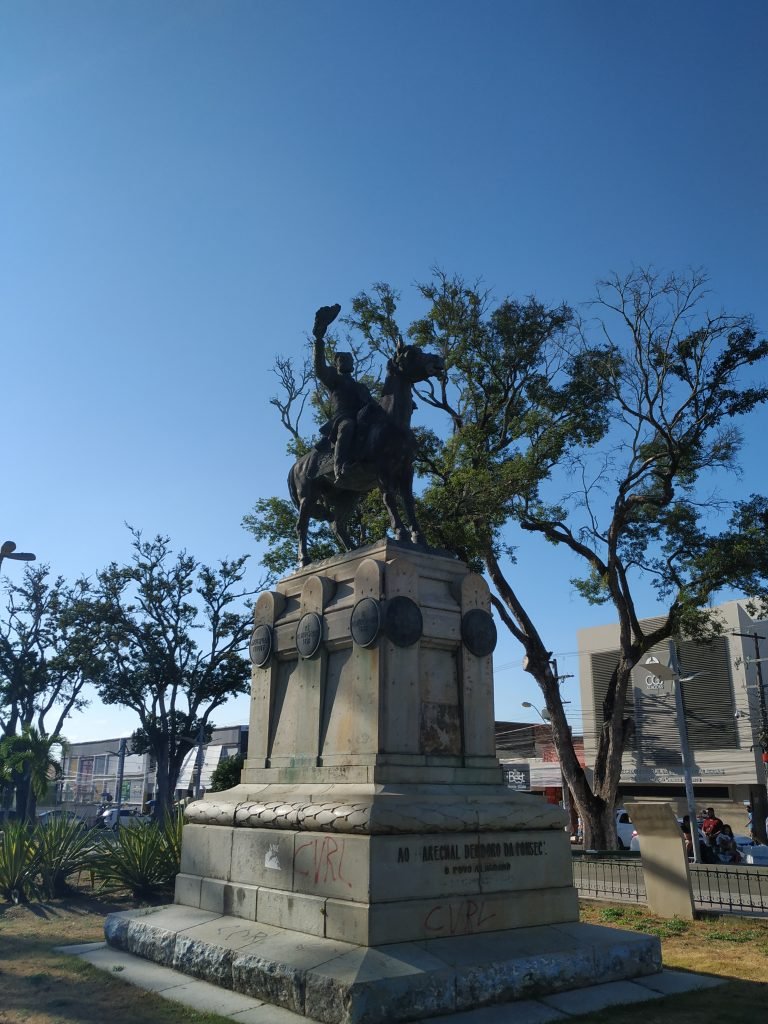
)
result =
(414, 364)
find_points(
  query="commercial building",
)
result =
(91, 771)
(530, 762)
(724, 712)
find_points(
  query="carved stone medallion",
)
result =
(260, 647)
(309, 634)
(478, 631)
(365, 623)
(403, 622)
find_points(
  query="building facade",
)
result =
(530, 763)
(724, 711)
(91, 771)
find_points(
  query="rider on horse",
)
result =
(348, 396)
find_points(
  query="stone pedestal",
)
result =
(371, 810)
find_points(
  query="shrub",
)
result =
(19, 860)
(64, 845)
(144, 860)
(173, 826)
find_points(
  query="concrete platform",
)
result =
(200, 995)
(341, 983)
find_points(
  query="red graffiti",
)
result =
(464, 918)
(327, 860)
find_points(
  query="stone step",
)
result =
(341, 983)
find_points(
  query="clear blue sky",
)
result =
(183, 183)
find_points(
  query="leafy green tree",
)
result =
(171, 634)
(46, 660)
(608, 450)
(226, 774)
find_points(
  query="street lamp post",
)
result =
(8, 550)
(546, 717)
(671, 674)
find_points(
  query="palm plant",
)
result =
(30, 759)
(19, 862)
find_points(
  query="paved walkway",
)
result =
(201, 995)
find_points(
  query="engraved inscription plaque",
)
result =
(403, 622)
(478, 631)
(260, 647)
(365, 623)
(309, 634)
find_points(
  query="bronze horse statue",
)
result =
(384, 454)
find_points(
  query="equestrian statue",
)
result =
(364, 444)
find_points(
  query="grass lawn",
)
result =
(38, 986)
(729, 947)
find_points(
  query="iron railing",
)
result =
(741, 889)
(722, 888)
(609, 877)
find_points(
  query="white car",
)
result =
(635, 841)
(624, 829)
(108, 818)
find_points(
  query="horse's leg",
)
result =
(409, 506)
(342, 535)
(301, 529)
(389, 497)
(342, 511)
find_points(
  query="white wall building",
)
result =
(90, 771)
(724, 713)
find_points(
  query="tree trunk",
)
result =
(24, 798)
(163, 795)
(600, 829)
(595, 806)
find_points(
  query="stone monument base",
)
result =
(444, 860)
(339, 982)
(371, 867)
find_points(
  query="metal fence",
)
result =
(741, 889)
(609, 877)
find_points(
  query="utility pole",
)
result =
(685, 753)
(120, 772)
(120, 754)
(199, 759)
(671, 674)
(759, 812)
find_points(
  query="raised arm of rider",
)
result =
(325, 373)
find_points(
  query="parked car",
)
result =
(108, 818)
(624, 829)
(53, 815)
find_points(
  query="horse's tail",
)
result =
(292, 485)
